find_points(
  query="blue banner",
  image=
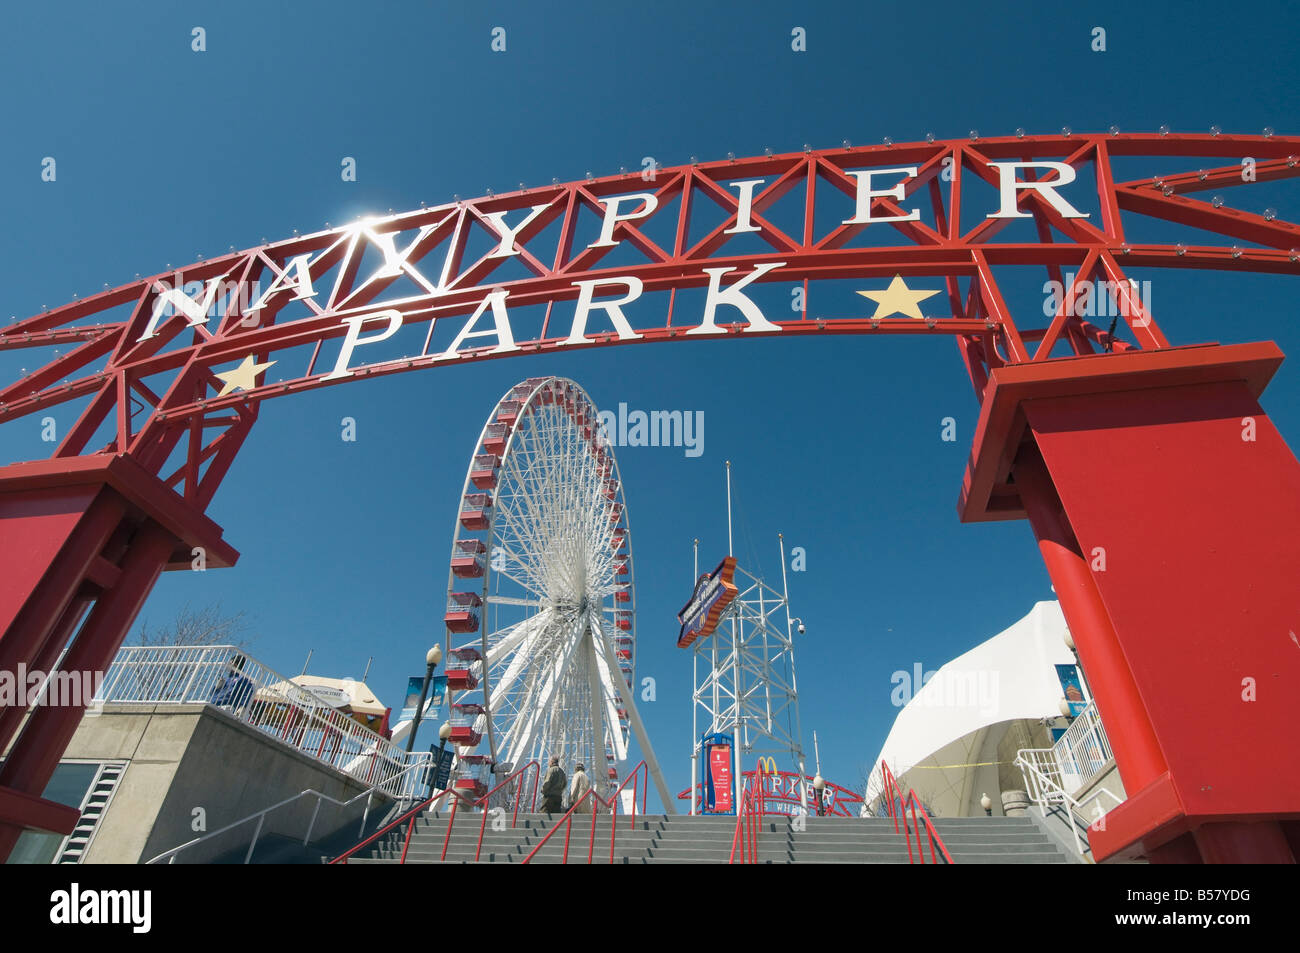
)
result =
(442, 774)
(437, 692)
(1072, 688)
(433, 704)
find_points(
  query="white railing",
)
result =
(1082, 751)
(241, 686)
(411, 775)
(1042, 774)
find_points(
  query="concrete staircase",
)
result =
(998, 840)
(660, 839)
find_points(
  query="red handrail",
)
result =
(894, 793)
(597, 800)
(482, 802)
(482, 824)
(446, 838)
(613, 799)
(748, 820)
(411, 814)
(567, 819)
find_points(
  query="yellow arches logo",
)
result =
(767, 765)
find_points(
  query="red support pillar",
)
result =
(35, 755)
(1137, 752)
(76, 534)
(52, 537)
(1164, 502)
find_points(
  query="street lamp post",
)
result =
(431, 658)
(819, 786)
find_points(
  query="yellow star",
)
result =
(897, 299)
(243, 377)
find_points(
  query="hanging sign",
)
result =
(713, 593)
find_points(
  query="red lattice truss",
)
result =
(155, 397)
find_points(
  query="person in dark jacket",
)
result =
(235, 690)
(553, 787)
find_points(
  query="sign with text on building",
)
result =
(713, 593)
(720, 777)
(717, 778)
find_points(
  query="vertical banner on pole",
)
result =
(718, 781)
(1072, 688)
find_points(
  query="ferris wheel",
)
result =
(540, 618)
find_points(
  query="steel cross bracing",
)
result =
(140, 362)
(745, 676)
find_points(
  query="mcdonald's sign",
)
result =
(767, 765)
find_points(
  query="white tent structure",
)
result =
(944, 743)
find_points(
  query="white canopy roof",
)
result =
(1009, 677)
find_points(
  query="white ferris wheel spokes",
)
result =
(540, 607)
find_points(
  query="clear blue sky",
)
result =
(164, 154)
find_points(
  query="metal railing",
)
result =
(907, 807)
(226, 678)
(260, 817)
(1042, 774)
(642, 771)
(749, 820)
(486, 806)
(1083, 750)
(875, 796)
(411, 816)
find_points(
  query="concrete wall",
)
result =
(183, 758)
(153, 743)
(1108, 778)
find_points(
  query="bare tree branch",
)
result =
(206, 626)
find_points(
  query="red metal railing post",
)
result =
(482, 827)
(613, 828)
(911, 803)
(407, 843)
(920, 847)
(930, 839)
(736, 839)
(446, 838)
(613, 804)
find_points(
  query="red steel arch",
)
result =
(168, 372)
